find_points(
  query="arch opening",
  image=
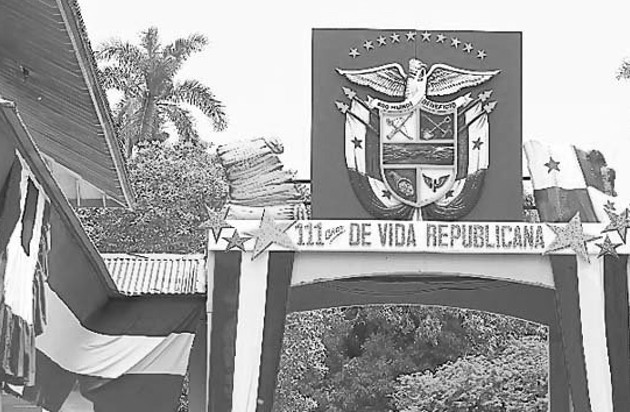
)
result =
(411, 357)
(495, 300)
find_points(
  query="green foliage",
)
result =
(172, 185)
(145, 75)
(183, 398)
(623, 72)
(303, 357)
(514, 380)
(347, 360)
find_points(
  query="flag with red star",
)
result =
(591, 291)
(567, 180)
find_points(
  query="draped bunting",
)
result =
(24, 240)
(67, 328)
(122, 365)
(248, 314)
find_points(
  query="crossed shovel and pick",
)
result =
(399, 127)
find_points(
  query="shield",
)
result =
(418, 155)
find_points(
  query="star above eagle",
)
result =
(438, 80)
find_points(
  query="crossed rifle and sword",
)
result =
(400, 127)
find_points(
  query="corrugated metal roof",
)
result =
(48, 70)
(166, 274)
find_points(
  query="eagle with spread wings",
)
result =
(438, 80)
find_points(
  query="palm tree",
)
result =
(145, 75)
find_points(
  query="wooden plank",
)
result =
(61, 100)
(54, 107)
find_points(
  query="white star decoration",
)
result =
(410, 36)
(350, 94)
(619, 222)
(216, 221)
(485, 95)
(466, 99)
(571, 236)
(270, 232)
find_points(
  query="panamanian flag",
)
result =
(591, 296)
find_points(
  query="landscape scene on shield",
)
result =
(172, 126)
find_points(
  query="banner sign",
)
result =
(411, 125)
(416, 237)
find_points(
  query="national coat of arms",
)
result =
(425, 151)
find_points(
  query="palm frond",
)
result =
(129, 122)
(182, 48)
(150, 41)
(196, 94)
(123, 53)
(119, 78)
(175, 54)
(183, 121)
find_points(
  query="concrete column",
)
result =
(208, 325)
(559, 397)
(198, 370)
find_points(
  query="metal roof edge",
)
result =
(75, 26)
(152, 255)
(29, 151)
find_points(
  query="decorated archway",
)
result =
(507, 268)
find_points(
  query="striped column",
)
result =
(592, 300)
(248, 313)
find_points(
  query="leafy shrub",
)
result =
(515, 380)
(172, 185)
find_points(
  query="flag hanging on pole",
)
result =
(591, 296)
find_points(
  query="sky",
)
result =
(258, 61)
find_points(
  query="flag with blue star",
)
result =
(552, 165)
(270, 232)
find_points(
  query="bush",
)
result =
(351, 359)
(515, 380)
(172, 185)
